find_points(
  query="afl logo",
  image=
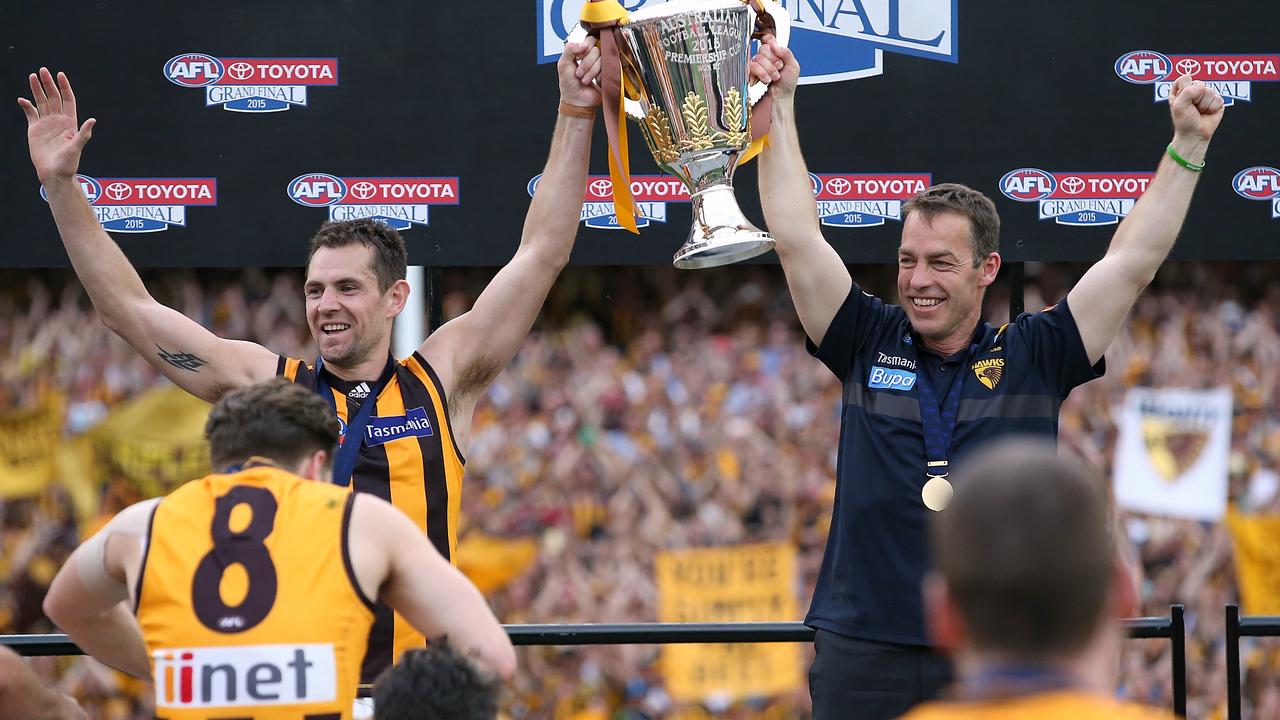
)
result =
(1257, 183)
(342, 431)
(816, 183)
(317, 189)
(193, 70)
(1027, 184)
(1143, 67)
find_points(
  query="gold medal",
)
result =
(937, 493)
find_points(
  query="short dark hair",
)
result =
(984, 221)
(389, 254)
(1025, 549)
(435, 683)
(276, 420)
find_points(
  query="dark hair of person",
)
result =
(435, 683)
(389, 254)
(275, 420)
(1026, 550)
(984, 221)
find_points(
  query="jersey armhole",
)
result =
(146, 553)
(346, 552)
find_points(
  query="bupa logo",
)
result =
(865, 199)
(1077, 198)
(651, 193)
(193, 70)
(414, 423)
(1259, 183)
(244, 676)
(1231, 75)
(883, 378)
(254, 85)
(140, 205)
(838, 40)
(1143, 67)
(399, 202)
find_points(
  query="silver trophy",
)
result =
(688, 61)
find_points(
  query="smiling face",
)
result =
(938, 284)
(349, 316)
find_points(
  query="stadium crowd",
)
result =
(653, 409)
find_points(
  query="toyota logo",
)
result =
(1188, 66)
(240, 70)
(1072, 185)
(601, 188)
(119, 191)
(839, 186)
(363, 190)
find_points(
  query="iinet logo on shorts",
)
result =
(244, 676)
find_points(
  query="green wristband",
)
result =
(1193, 167)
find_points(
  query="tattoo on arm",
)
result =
(181, 360)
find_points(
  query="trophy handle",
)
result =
(781, 32)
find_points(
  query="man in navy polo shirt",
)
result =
(927, 381)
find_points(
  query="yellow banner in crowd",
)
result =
(746, 583)
(1255, 539)
(156, 440)
(29, 440)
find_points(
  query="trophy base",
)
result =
(720, 234)
(723, 249)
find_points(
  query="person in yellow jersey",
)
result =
(405, 421)
(1028, 591)
(254, 587)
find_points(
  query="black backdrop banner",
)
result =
(227, 132)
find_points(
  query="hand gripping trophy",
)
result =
(679, 69)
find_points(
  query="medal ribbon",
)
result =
(349, 450)
(939, 419)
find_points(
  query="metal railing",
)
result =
(1238, 627)
(1172, 628)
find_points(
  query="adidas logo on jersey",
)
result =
(359, 392)
(245, 676)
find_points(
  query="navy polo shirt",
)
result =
(877, 550)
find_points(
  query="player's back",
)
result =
(248, 602)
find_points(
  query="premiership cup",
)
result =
(687, 61)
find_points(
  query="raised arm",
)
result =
(1102, 299)
(817, 277)
(188, 354)
(395, 562)
(469, 351)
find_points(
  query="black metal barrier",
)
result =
(1172, 628)
(1238, 627)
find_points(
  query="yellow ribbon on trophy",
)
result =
(601, 18)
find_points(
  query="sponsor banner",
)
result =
(1077, 198)
(743, 583)
(399, 202)
(1232, 75)
(244, 676)
(1259, 183)
(1171, 455)
(651, 192)
(140, 205)
(838, 40)
(252, 84)
(865, 199)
